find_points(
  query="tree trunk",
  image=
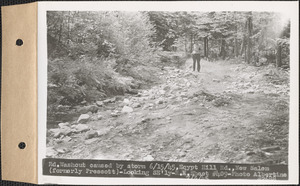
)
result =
(205, 47)
(185, 48)
(243, 46)
(69, 18)
(249, 56)
(223, 52)
(206, 55)
(278, 56)
(59, 34)
(236, 50)
(191, 50)
(249, 27)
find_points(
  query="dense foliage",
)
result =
(93, 55)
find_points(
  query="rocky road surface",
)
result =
(229, 112)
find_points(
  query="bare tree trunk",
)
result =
(243, 46)
(69, 18)
(249, 26)
(205, 47)
(185, 47)
(236, 50)
(191, 50)
(59, 34)
(206, 55)
(278, 56)
(223, 51)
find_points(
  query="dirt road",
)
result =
(229, 112)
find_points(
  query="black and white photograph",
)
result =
(169, 86)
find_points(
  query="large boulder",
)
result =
(83, 118)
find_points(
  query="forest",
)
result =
(125, 78)
(101, 45)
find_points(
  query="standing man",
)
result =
(196, 56)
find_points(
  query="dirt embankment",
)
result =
(226, 113)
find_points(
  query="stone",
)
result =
(62, 150)
(114, 114)
(99, 117)
(168, 118)
(91, 134)
(127, 109)
(51, 152)
(57, 134)
(67, 139)
(182, 154)
(249, 153)
(63, 108)
(103, 131)
(62, 125)
(250, 91)
(166, 88)
(148, 158)
(144, 120)
(83, 118)
(65, 130)
(80, 128)
(53, 131)
(162, 92)
(216, 80)
(269, 149)
(136, 105)
(126, 101)
(90, 141)
(99, 103)
(86, 109)
(112, 100)
(159, 102)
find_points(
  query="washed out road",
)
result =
(228, 113)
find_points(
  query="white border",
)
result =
(287, 7)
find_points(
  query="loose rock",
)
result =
(91, 134)
(90, 141)
(62, 125)
(127, 109)
(65, 130)
(159, 102)
(67, 139)
(83, 118)
(249, 153)
(80, 128)
(269, 149)
(148, 158)
(126, 101)
(86, 109)
(51, 152)
(99, 103)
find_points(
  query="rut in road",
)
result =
(221, 114)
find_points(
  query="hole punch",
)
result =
(19, 42)
(22, 145)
